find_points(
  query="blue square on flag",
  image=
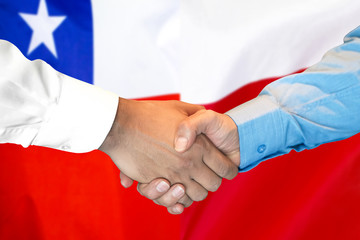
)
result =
(56, 31)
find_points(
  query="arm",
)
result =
(40, 106)
(305, 110)
(43, 107)
(297, 112)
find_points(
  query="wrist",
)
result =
(110, 139)
(233, 139)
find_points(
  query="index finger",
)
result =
(217, 161)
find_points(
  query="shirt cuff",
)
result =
(80, 120)
(261, 132)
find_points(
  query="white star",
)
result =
(43, 27)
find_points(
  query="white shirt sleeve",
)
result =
(40, 106)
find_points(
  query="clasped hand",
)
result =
(172, 173)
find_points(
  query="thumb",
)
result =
(189, 128)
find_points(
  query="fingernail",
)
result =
(122, 182)
(177, 192)
(162, 186)
(181, 144)
(177, 210)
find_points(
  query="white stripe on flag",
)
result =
(205, 50)
(129, 41)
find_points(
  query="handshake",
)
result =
(176, 151)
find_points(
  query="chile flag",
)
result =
(216, 53)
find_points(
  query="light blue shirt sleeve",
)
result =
(305, 110)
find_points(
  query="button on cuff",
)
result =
(261, 148)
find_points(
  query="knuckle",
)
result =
(185, 124)
(148, 194)
(182, 127)
(214, 114)
(222, 170)
(167, 201)
(185, 127)
(185, 163)
(203, 111)
(210, 114)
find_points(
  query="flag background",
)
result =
(217, 53)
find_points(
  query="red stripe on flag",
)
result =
(49, 194)
(174, 96)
